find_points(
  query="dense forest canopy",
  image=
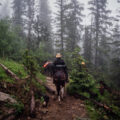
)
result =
(34, 25)
(86, 32)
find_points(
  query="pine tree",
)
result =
(101, 23)
(115, 57)
(44, 20)
(87, 45)
(60, 23)
(82, 82)
(116, 42)
(18, 12)
(10, 44)
(73, 24)
(29, 22)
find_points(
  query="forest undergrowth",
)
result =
(102, 102)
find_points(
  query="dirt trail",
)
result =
(69, 109)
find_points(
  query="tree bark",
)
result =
(32, 105)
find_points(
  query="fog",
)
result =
(68, 42)
(5, 8)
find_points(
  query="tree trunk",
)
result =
(32, 104)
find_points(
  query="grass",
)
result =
(19, 70)
(41, 77)
(16, 68)
(4, 77)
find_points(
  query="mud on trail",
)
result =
(68, 109)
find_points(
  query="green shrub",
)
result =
(32, 68)
(41, 77)
(82, 82)
(19, 107)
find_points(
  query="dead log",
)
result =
(47, 88)
(101, 105)
(104, 86)
(10, 73)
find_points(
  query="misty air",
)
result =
(59, 59)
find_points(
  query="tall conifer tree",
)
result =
(74, 25)
(101, 23)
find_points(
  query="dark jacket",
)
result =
(59, 64)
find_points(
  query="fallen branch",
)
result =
(13, 75)
(106, 87)
(47, 88)
(101, 105)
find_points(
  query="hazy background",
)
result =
(5, 8)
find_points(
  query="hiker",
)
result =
(59, 65)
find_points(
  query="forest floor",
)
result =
(68, 109)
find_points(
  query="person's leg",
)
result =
(58, 92)
(62, 91)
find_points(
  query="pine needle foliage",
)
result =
(30, 64)
(32, 68)
(82, 82)
(83, 85)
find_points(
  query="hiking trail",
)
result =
(68, 109)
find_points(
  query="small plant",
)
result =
(19, 107)
(30, 64)
(42, 100)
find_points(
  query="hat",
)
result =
(83, 63)
(58, 55)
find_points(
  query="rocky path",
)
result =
(69, 109)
